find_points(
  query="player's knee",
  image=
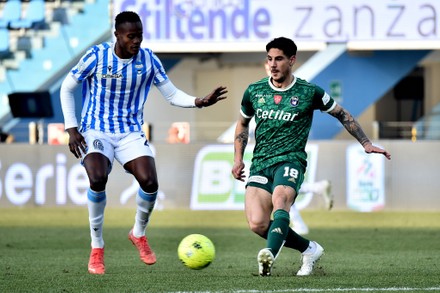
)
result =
(149, 185)
(258, 228)
(98, 181)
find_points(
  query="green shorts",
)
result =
(285, 173)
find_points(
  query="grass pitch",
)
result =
(47, 250)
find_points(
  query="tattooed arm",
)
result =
(355, 129)
(240, 143)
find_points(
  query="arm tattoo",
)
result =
(352, 126)
(242, 138)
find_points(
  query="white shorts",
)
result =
(124, 147)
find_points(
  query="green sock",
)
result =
(295, 241)
(278, 231)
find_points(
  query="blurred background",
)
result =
(379, 60)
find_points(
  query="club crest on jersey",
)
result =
(97, 144)
(277, 99)
(294, 101)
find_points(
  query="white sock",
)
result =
(145, 204)
(96, 202)
(311, 248)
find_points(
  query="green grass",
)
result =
(46, 250)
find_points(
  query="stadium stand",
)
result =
(34, 17)
(39, 40)
(11, 11)
(4, 44)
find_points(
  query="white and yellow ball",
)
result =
(196, 251)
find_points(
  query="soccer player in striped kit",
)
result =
(116, 78)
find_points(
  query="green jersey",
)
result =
(283, 119)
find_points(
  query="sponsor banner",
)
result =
(51, 176)
(247, 25)
(214, 187)
(365, 180)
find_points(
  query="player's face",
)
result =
(128, 39)
(279, 66)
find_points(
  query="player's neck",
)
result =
(285, 83)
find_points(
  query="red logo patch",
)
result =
(277, 99)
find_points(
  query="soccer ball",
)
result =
(196, 251)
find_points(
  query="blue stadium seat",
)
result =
(5, 52)
(35, 17)
(11, 12)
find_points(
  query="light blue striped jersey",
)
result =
(115, 90)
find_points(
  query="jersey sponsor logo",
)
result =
(294, 101)
(325, 99)
(109, 76)
(277, 99)
(258, 179)
(276, 115)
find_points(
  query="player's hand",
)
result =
(370, 148)
(238, 171)
(77, 143)
(216, 95)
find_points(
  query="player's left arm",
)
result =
(213, 97)
(177, 97)
(355, 129)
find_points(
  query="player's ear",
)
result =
(292, 60)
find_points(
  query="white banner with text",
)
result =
(247, 25)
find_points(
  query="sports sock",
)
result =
(145, 204)
(293, 240)
(96, 202)
(278, 231)
(310, 248)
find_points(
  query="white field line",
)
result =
(383, 289)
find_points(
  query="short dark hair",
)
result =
(126, 16)
(284, 44)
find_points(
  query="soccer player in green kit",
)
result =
(283, 107)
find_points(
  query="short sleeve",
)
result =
(86, 66)
(247, 109)
(158, 69)
(322, 100)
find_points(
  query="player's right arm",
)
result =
(77, 143)
(241, 136)
(240, 143)
(86, 67)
